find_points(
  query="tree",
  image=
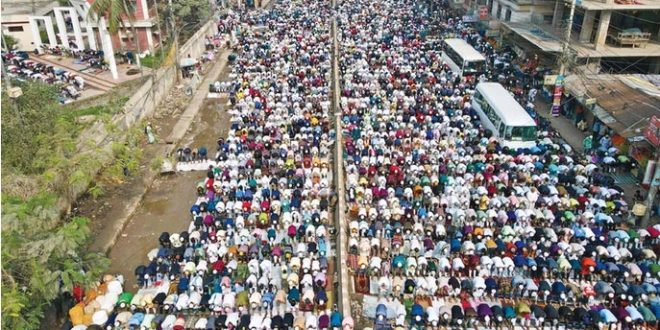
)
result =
(115, 11)
(41, 258)
(22, 132)
(188, 13)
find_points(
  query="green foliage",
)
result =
(33, 115)
(154, 60)
(43, 35)
(156, 163)
(126, 156)
(190, 11)
(40, 136)
(187, 14)
(97, 190)
(115, 105)
(41, 257)
(11, 42)
(112, 10)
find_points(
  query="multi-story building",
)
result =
(613, 36)
(16, 16)
(144, 21)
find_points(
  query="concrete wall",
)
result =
(195, 46)
(145, 100)
(24, 38)
(141, 105)
(147, 96)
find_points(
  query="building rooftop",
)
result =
(625, 103)
(549, 40)
(631, 5)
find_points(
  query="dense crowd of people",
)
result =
(447, 225)
(450, 227)
(20, 67)
(256, 253)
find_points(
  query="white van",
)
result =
(503, 115)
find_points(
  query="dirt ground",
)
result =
(165, 205)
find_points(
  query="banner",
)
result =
(556, 96)
(550, 79)
(652, 132)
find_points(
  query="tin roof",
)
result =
(623, 102)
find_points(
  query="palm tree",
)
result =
(114, 11)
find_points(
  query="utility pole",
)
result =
(175, 37)
(12, 92)
(567, 40)
(160, 33)
(653, 190)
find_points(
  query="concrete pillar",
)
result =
(108, 51)
(493, 12)
(150, 40)
(587, 25)
(50, 30)
(35, 32)
(559, 12)
(61, 26)
(145, 9)
(77, 32)
(91, 38)
(603, 26)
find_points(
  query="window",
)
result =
(454, 57)
(474, 67)
(15, 29)
(492, 115)
(480, 99)
(499, 11)
(507, 16)
(523, 133)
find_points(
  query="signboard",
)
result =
(556, 96)
(483, 12)
(652, 132)
(470, 19)
(550, 79)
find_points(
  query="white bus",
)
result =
(501, 113)
(463, 58)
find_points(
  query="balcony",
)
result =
(632, 37)
(550, 39)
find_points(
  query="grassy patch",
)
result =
(153, 60)
(99, 111)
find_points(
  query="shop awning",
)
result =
(620, 105)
